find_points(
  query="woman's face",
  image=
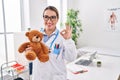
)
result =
(50, 20)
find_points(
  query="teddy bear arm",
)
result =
(23, 47)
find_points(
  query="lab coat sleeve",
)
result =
(70, 52)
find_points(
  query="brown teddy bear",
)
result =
(38, 49)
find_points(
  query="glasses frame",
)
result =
(52, 18)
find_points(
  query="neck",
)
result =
(49, 32)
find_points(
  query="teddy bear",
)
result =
(38, 49)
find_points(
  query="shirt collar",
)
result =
(54, 33)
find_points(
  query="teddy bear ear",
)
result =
(42, 35)
(27, 33)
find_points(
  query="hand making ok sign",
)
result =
(66, 33)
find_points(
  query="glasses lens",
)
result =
(46, 18)
(53, 17)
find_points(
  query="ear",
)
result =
(27, 33)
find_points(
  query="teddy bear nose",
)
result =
(37, 37)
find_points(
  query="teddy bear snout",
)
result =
(36, 39)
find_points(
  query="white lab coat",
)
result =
(55, 68)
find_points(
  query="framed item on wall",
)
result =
(113, 19)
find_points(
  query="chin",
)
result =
(50, 27)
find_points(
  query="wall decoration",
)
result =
(113, 19)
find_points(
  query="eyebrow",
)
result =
(49, 16)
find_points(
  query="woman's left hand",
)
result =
(66, 33)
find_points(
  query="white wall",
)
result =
(36, 11)
(25, 14)
(95, 33)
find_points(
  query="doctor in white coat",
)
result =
(61, 45)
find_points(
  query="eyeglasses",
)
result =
(52, 18)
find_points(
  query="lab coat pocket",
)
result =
(56, 51)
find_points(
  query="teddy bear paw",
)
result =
(44, 58)
(30, 55)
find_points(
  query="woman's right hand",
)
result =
(29, 48)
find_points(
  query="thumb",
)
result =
(63, 32)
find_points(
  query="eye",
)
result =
(53, 17)
(45, 16)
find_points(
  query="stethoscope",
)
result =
(56, 49)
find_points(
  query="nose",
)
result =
(49, 20)
(37, 37)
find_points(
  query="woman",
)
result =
(61, 46)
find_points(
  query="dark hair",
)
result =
(53, 9)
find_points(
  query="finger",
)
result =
(70, 29)
(28, 49)
(63, 31)
(67, 26)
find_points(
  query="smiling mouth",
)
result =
(49, 25)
